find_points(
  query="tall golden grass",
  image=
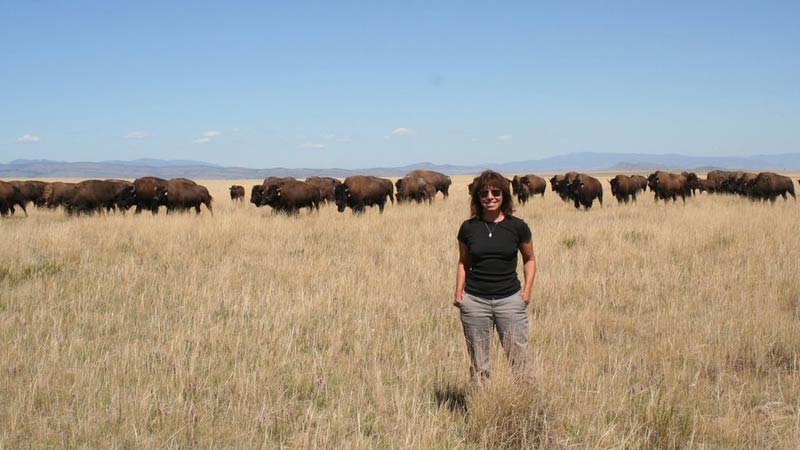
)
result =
(653, 326)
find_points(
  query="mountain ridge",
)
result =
(583, 161)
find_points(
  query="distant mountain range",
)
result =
(587, 162)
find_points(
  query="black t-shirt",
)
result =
(492, 271)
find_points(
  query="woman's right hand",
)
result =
(458, 298)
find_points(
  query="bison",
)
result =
(411, 188)
(768, 186)
(58, 194)
(94, 195)
(584, 190)
(290, 196)
(360, 191)
(438, 180)
(10, 195)
(237, 193)
(624, 188)
(666, 185)
(145, 193)
(182, 195)
(31, 192)
(525, 186)
(561, 184)
(325, 186)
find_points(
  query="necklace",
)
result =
(490, 230)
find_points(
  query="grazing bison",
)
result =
(58, 194)
(182, 195)
(624, 188)
(10, 196)
(360, 191)
(290, 196)
(717, 180)
(768, 186)
(584, 190)
(666, 185)
(439, 180)
(237, 192)
(145, 192)
(93, 195)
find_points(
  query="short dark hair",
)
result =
(490, 178)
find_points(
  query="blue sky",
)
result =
(360, 84)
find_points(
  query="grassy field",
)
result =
(653, 327)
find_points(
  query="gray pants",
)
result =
(479, 317)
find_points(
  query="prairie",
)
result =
(653, 326)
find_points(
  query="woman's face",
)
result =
(491, 198)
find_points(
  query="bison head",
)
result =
(257, 195)
(341, 194)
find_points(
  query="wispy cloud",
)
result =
(397, 132)
(137, 135)
(28, 139)
(207, 137)
(505, 138)
(312, 145)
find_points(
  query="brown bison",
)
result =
(58, 194)
(258, 193)
(182, 195)
(237, 192)
(10, 196)
(666, 185)
(360, 191)
(525, 186)
(145, 193)
(411, 188)
(325, 186)
(290, 196)
(624, 188)
(561, 184)
(31, 191)
(95, 195)
(438, 180)
(584, 190)
(768, 186)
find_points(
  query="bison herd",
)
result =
(289, 195)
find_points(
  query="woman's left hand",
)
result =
(526, 297)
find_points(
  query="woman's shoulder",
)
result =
(470, 221)
(514, 220)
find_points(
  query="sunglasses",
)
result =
(495, 193)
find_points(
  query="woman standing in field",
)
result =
(488, 292)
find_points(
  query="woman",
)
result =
(488, 292)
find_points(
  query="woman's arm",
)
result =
(461, 273)
(529, 269)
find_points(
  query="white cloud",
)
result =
(403, 132)
(207, 137)
(28, 139)
(312, 145)
(475, 140)
(505, 138)
(137, 135)
(236, 130)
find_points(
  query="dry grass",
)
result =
(653, 327)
